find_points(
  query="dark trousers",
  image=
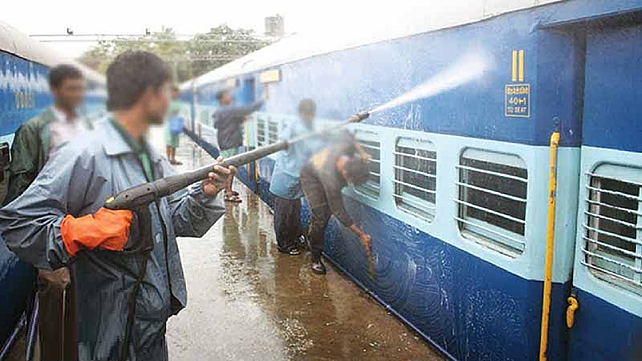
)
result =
(316, 232)
(287, 221)
(57, 329)
(319, 209)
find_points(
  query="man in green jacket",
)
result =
(34, 143)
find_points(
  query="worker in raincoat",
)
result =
(124, 297)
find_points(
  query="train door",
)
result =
(607, 273)
(249, 91)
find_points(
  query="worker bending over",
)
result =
(125, 297)
(322, 179)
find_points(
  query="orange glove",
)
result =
(105, 229)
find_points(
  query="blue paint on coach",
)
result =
(613, 89)
(23, 94)
(594, 336)
(373, 74)
(24, 91)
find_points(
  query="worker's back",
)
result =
(230, 134)
(228, 120)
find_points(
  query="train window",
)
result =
(260, 131)
(415, 177)
(369, 141)
(492, 199)
(613, 229)
(273, 131)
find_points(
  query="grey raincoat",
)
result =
(77, 181)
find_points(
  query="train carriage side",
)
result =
(24, 93)
(458, 195)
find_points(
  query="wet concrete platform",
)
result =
(246, 301)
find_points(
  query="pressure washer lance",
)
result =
(146, 193)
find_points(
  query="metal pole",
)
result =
(550, 245)
(6, 348)
(32, 328)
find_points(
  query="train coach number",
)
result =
(24, 99)
(518, 99)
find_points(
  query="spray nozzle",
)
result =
(358, 117)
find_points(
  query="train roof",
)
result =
(15, 42)
(363, 31)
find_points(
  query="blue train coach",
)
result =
(457, 202)
(24, 92)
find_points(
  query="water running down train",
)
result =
(458, 193)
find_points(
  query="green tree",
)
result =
(187, 58)
(219, 46)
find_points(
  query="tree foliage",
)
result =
(187, 58)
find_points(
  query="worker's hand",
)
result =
(57, 279)
(217, 179)
(365, 156)
(366, 242)
(104, 229)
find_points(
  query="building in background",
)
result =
(275, 26)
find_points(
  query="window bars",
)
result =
(492, 200)
(371, 144)
(613, 229)
(415, 177)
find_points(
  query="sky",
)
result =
(186, 16)
(333, 17)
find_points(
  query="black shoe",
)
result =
(316, 265)
(292, 250)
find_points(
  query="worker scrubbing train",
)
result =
(322, 180)
(59, 220)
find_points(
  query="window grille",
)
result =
(492, 199)
(416, 177)
(613, 230)
(370, 143)
(260, 131)
(272, 131)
